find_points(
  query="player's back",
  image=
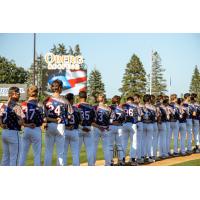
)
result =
(87, 113)
(131, 111)
(33, 112)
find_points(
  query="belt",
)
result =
(131, 122)
(173, 120)
(148, 122)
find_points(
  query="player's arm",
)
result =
(1, 123)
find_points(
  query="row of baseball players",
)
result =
(148, 127)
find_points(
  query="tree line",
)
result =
(135, 79)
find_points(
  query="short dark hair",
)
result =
(166, 101)
(56, 84)
(69, 96)
(186, 95)
(13, 89)
(83, 94)
(153, 96)
(136, 95)
(180, 100)
(130, 98)
(147, 98)
(165, 97)
(116, 99)
(159, 97)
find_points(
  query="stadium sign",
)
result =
(5, 87)
(63, 62)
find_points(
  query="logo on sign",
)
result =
(68, 62)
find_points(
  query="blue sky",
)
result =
(111, 52)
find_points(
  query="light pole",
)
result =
(151, 72)
(34, 53)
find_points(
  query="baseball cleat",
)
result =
(170, 154)
(140, 161)
(176, 154)
(196, 150)
(151, 160)
(157, 159)
(189, 152)
(183, 154)
(133, 162)
(121, 163)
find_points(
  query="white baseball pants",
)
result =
(196, 131)
(175, 132)
(55, 134)
(105, 137)
(11, 147)
(189, 134)
(31, 136)
(88, 140)
(183, 130)
(72, 140)
(162, 129)
(116, 138)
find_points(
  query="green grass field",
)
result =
(189, 163)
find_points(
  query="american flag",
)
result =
(77, 80)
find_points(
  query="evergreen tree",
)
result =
(195, 82)
(134, 79)
(158, 82)
(60, 49)
(77, 50)
(10, 73)
(148, 84)
(71, 52)
(95, 85)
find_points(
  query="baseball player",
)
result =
(72, 133)
(101, 129)
(183, 116)
(57, 111)
(86, 130)
(168, 127)
(195, 119)
(155, 129)
(149, 118)
(130, 129)
(174, 122)
(190, 111)
(162, 128)
(140, 135)
(116, 128)
(11, 119)
(32, 132)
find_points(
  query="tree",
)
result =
(40, 73)
(195, 82)
(134, 79)
(95, 85)
(71, 52)
(158, 83)
(77, 50)
(60, 49)
(148, 84)
(10, 73)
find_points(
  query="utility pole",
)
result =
(151, 72)
(170, 84)
(34, 54)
